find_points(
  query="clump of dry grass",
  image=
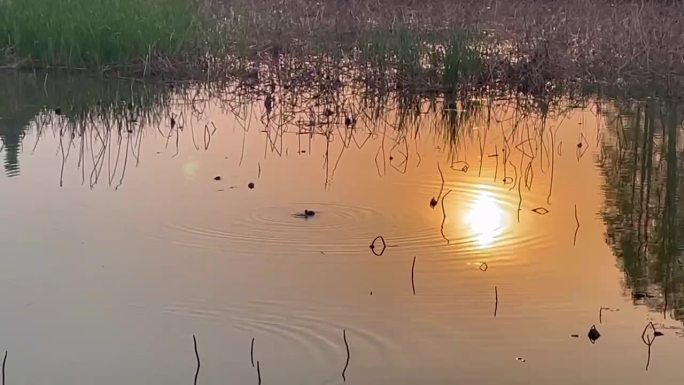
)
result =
(530, 46)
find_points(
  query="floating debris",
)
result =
(382, 243)
(434, 201)
(346, 345)
(217, 177)
(484, 266)
(520, 359)
(251, 185)
(460, 166)
(593, 334)
(540, 211)
(648, 340)
(306, 214)
(413, 267)
(574, 335)
(496, 300)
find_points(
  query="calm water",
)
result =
(118, 244)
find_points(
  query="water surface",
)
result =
(119, 245)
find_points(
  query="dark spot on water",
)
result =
(574, 335)
(579, 145)
(640, 295)
(251, 185)
(371, 293)
(217, 177)
(306, 214)
(658, 334)
(433, 202)
(593, 334)
(58, 111)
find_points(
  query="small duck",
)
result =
(306, 214)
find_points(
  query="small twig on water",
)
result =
(4, 360)
(251, 352)
(194, 341)
(258, 372)
(346, 345)
(646, 338)
(373, 246)
(444, 217)
(496, 300)
(434, 201)
(413, 266)
(574, 240)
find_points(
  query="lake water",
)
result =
(118, 244)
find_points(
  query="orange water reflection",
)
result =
(485, 219)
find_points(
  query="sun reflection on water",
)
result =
(485, 220)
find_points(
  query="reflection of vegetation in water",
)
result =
(641, 162)
(17, 110)
(102, 122)
(86, 114)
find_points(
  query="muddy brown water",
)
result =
(118, 246)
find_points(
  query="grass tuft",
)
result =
(98, 32)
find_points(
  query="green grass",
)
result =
(418, 55)
(98, 32)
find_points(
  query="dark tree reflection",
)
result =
(641, 161)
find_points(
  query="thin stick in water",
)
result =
(434, 201)
(251, 352)
(574, 240)
(444, 217)
(496, 300)
(346, 345)
(4, 361)
(258, 372)
(413, 267)
(194, 341)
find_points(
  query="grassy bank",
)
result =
(100, 33)
(523, 46)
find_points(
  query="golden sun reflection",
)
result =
(485, 219)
